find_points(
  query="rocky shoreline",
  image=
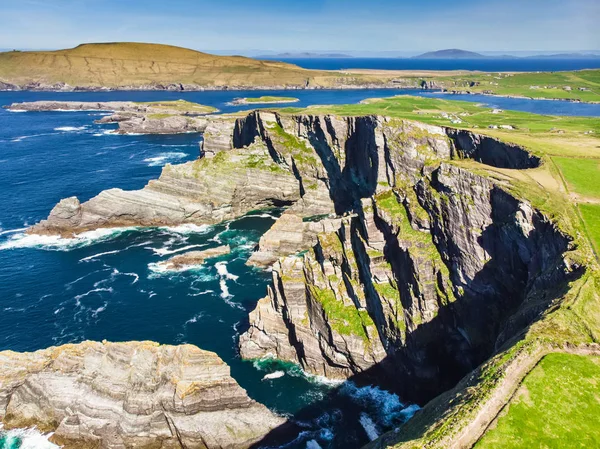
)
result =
(61, 87)
(392, 259)
(167, 117)
(135, 394)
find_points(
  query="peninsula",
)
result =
(410, 224)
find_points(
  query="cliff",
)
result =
(401, 259)
(136, 394)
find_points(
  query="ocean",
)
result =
(484, 65)
(105, 285)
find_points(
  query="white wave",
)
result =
(205, 292)
(264, 215)
(135, 277)
(186, 229)
(30, 438)
(21, 138)
(409, 411)
(369, 426)
(222, 270)
(312, 444)
(274, 375)
(163, 158)
(194, 319)
(70, 128)
(56, 242)
(95, 256)
(17, 110)
(100, 309)
(224, 289)
(388, 405)
(107, 132)
(165, 251)
(12, 231)
(96, 290)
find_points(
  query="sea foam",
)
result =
(56, 242)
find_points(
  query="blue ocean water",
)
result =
(485, 64)
(105, 286)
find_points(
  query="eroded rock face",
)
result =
(398, 258)
(430, 271)
(136, 394)
(200, 192)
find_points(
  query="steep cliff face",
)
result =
(432, 268)
(136, 394)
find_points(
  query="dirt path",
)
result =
(505, 393)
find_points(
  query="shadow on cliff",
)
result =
(406, 374)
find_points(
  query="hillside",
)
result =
(452, 53)
(156, 66)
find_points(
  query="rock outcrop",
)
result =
(427, 267)
(192, 259)
(168, 117)
(205, 191)
(136, 394)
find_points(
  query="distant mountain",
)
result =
(452, 53)
(455, 53)
(306, 55)
(565, 56)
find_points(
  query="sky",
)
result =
(363, 26)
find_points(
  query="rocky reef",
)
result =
(167, 117)
(135, 394)
(192, 259)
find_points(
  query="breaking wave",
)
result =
(58, 243)
(70, 128)
(164, 158)
(25, 439)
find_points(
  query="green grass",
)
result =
(432, 111)
(532, 84)
(591, 216)
(181, 106)
(582, 175)
(346, 320)
(557, 406)
(269, 99)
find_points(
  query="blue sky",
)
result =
(278, 25)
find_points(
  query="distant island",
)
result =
(306, 55)
(264, 100)
(452, 53)
(455, 53)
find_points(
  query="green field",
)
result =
(591, 216)
(582, 175)
(268, 99)
(557, 406)
(180, 106)
(583, 85)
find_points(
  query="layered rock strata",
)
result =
(136, 394)
(171, 117)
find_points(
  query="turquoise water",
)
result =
(103, 286)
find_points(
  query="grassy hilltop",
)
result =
(114, 65)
